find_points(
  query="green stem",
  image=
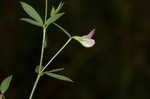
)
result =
(41, 60)
(42, 50)
(46, 10)
(56, 54)
(42, 53)
(34, 86)
(62, 29)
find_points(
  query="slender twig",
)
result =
(46, 4)
(56, 54)
(40, 67)
(42, 53)
(65, 31)
(34, 86)
(41, 70)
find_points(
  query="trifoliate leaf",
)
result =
(31, 12)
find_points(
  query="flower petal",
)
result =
(88, 42)
(90, 35)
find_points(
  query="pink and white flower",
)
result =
(86, 40)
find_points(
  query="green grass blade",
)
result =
(53, 18)
(31, 21)
(32, 12)
(57, 76)
(5, 84)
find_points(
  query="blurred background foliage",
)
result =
(117, 67)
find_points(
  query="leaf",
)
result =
(57, 76)
(53, 11)
(55, 70)
(31, 21)
(31, 12)
(5, 84)
(53, 18)
(59, 7)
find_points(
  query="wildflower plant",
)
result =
(36, 19)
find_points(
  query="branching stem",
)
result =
(41, 70)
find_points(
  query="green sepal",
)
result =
(78, 38)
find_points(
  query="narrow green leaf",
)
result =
(55, 70)
(5, 84)
(32, 12)
(57, 76)
(53, 11)
(59, 7)
(53, 18)
(31, 21)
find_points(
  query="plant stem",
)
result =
(46, 10)
(42, 50)
(42, 53)
(56, 54)
(68, 34)
(40, 67)
(34, 86)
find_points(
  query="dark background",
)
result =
(117, 67)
